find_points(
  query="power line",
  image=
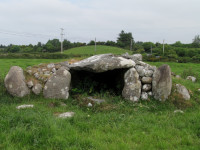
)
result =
(24, 34)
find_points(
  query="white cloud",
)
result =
(148, 20)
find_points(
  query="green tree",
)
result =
(147, 46)
(124, 40)
(13, 49)
(196, 41)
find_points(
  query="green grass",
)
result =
(115, 125)
(99, 50)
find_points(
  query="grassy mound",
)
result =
(100, 49)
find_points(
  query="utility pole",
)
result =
(61, 38)
(131, 45)
(163, 47)
(95, 47)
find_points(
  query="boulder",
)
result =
(102, 63)
(162, 83)
(193, 79)
(37, 89)
(132, 87)
(58, 85)
(146, 80)
(183, 91)
(15, 82)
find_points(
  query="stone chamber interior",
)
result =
(111, 82)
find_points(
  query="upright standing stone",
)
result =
(132, 87)
(15, 82)
(58, 85)
(162, 83)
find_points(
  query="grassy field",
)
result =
(100, 49)
(115, 125)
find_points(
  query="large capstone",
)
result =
(102, 63)
(162, 83)
(58, 85)
(15, 82)
(132, 87)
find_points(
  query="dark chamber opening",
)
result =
(89, 82)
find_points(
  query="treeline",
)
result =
(152, 51)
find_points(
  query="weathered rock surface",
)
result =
(135, 57)
(58, 85)
(15, 82)
(30, 84)
(146, 87)
(132, 87)
(37, 89)
(102, 63)
(162, 83)
(144, 96)
(146, 80)
(183, 91)
(193, 79)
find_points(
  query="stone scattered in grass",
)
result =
(178, 111)
(66, 115)
(24, 106)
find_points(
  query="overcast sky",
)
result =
(31, 21)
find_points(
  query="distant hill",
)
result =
(100, 49)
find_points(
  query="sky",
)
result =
(32, 21)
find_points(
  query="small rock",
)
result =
(144, 96)
(178, 111)
(198, 90)
(54, 70)
(66, 115)
(37, 75)
(98, 101)
(29, 72)
(89, 105)
(30, 84)
(178, 76)
(146, 87)
(50, 66)
(193, 79)
(24, 106)
(150, 93)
